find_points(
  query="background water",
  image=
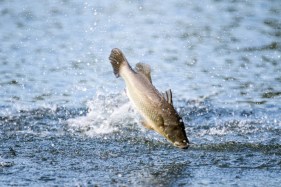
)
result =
(65, 119)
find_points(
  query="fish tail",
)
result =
(117, 59)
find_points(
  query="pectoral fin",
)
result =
(146, 125)
(144, 69)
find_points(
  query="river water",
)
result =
(65, 119)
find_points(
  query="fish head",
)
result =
(174, 131)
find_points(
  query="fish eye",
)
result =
(184, 141)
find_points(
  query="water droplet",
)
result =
(95, 12)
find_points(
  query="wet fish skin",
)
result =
(157, 109)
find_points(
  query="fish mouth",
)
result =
(181, 145)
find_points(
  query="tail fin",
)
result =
(117, 59)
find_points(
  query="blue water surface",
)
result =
(66, 121)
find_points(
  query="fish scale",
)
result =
(148, 100)
(149, 112)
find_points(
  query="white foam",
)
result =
(106, 113)
(224, 128)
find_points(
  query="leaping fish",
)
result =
(156, 108)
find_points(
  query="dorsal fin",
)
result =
(144, 69)
(168, 96)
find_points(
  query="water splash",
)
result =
(106, 113)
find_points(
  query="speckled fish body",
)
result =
(156, 108)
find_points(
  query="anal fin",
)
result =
(144, 69)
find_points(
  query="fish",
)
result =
(156, 108)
